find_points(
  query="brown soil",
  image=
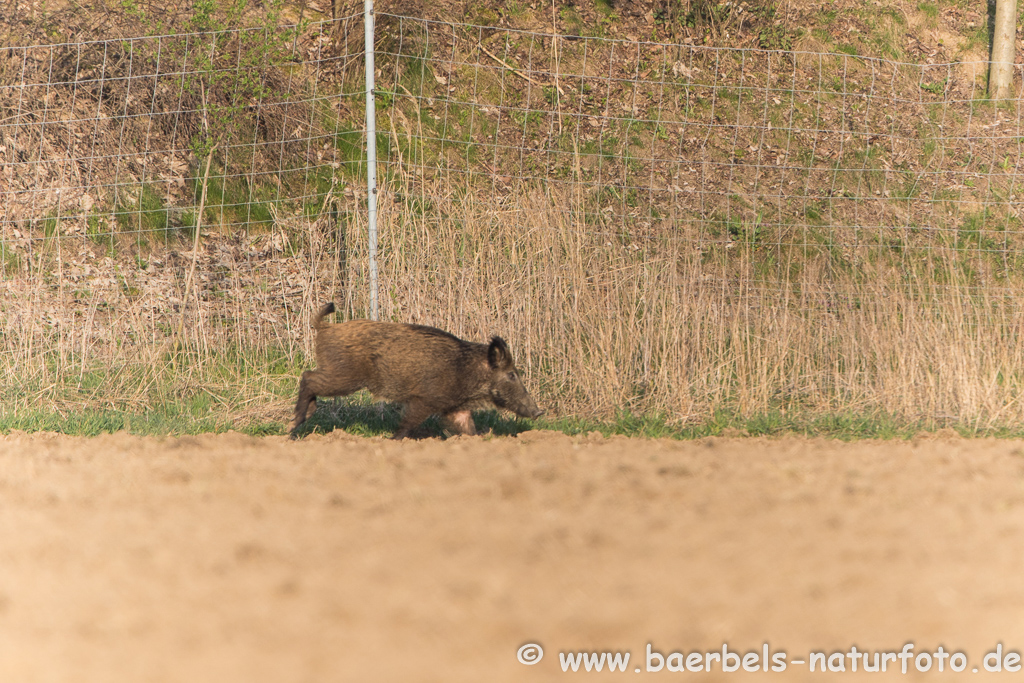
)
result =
(335, 558)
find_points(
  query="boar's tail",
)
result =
(318, 321)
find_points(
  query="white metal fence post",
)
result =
(371, 158)
(1001, 66)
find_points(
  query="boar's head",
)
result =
(506, 386)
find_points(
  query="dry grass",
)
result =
(601, 322)
(604, 323)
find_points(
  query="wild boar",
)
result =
(429, 371)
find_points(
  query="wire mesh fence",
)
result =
(655, 227)
(783, 150)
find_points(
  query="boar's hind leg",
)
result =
(313, 383)
(416, 411)
(306, 405)
(460, 422)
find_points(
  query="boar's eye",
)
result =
(512, 376)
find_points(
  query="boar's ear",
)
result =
(498, 355)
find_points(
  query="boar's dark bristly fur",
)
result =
(429, 371)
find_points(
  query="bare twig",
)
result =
(195, 241)
(517, 71)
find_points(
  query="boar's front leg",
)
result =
(416, 411)
(459, 422)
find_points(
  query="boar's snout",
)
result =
(522, 404)
(537, 412)
(530, 409)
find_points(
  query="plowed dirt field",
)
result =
(335, 558)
